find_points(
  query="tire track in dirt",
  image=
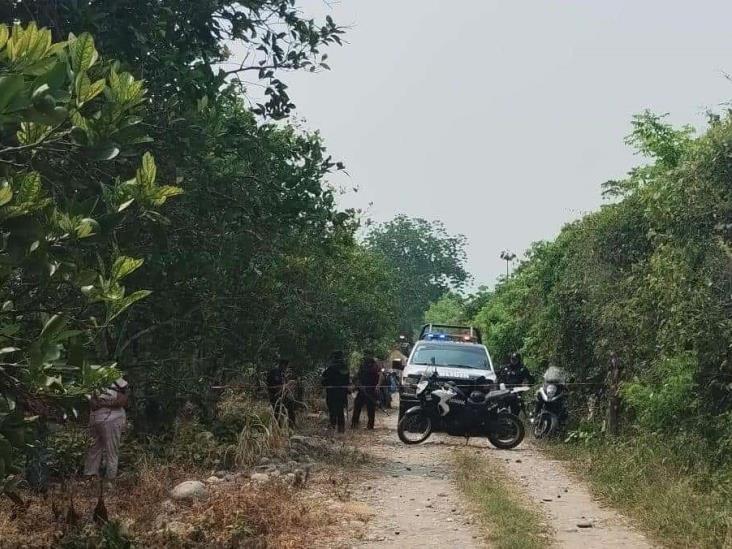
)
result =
(578, 520)
(414, 502)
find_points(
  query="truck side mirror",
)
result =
(397, 365)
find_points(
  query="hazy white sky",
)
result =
(502, 118)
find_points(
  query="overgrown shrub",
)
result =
(664, 398)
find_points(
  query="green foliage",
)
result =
(647, 277)
(449, 309)
(60, 108)
(663, 399)
(184, 48)
(676, 497)
(425, 262)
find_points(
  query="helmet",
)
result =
(477, 396)
(515, 358)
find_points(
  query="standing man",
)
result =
(107, 420)
(280, 389)
(336, 381)
(368, 379)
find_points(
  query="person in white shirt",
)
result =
(107, 420)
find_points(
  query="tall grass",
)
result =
(512, 523)
(259, 431)
(678, 504)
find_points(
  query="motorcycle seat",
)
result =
(497, 395)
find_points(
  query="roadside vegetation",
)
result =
(648, 277)
(677, 505)
(509, 520)
(162, 219)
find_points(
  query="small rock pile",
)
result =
(294, 468)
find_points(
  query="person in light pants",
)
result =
(107, 420)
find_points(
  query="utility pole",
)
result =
(507, 257)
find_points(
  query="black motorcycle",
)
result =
(445, 407)
(551, 404)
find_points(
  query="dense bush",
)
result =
(648, 276)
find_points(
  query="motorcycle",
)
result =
(551, 405)
(514, 403)
(445, 407)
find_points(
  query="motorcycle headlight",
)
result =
(551, 390)
(421, 386)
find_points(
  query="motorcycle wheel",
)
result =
(546, 425)
(414, 427)
(507, 432)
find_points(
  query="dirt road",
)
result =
(414, 500)
(416, 504)
(578, 521)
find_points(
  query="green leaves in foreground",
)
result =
(65, 117)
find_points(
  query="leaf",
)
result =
(87, 227)
(147, 172)
(95, 89)
(124, 266)
(126, 301)
(125, 205)
(165, 192)
(104, 151)
(6, 193)
(85, 90)
(8, 350)
(53, 325)
(82, 52)
(82, 83)
(4, 34)
(9, 88)
(54, 77)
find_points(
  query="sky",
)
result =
(503, 118)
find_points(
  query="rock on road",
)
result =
(415, 503)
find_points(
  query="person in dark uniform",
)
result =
(368, 379)
(280, 389)
(336, 380)
(513, 374)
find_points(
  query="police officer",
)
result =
(367, 381)
(336, 381)
(515, 373)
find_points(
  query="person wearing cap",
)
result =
(107, 420)
(280, 390)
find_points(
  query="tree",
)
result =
(449, 309)
(69, 129)
(647, 277)
(426, 262)
(182, 47)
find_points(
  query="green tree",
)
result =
(66, 117)
(426, 262)
(449, 309)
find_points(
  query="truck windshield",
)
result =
(452, 356)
